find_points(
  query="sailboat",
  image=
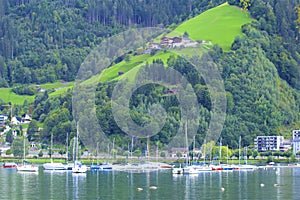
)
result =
(244, 166)
(219, 167)
(78, 167)
(52, 165)
(25, 167)
(180, 170)
(68, 166)
(100, 167)
(227, 166)
(188, 169)
(204, 167)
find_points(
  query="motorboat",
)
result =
(9, 165)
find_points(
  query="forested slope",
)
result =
(261, 70)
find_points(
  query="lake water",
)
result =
(123, 185)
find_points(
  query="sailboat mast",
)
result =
(246, 155)
(148, 147)
(77, 146)
(131, 147)
(67, 148)
(240, 151)
(24, 148)
(227, 154)
(204, 152)
(194, 146)
(220, 153)
(186, 144)
(97, 147)
(51, 141)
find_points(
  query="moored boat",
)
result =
(190, 170)
(227, 167)
(54, 166)
(79, 168)
(216, 167)
(247, 167)
(101, 167)
(27, 168)
(9, 165)
(177, 170)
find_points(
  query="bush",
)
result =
(163, 154)
(40, 154)
(25, 90)
(8, 152)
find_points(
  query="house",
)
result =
(153, 45)
(177, 39)
(15, 120)
(26, 119)
(178, 153)
(3, 119)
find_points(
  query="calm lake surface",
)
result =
(123, 185)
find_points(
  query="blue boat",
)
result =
(101, 167)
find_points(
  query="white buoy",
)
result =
(276, 185)
(262, 185)
(222, 189)
(153, 187)
(139, 189)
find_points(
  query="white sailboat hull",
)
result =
(54, 166)
(79, 169)
(177, 171)
(27, 168)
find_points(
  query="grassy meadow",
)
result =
(220, 25)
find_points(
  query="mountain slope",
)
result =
(220, 25)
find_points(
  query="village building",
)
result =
(271, 143)
(26, 119)
(15, 120)
(296, 141)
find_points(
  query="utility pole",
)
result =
(9, 105)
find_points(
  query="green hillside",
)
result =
(9, 96)
(225, 19)
(220, 25)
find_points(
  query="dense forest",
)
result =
(44, 41)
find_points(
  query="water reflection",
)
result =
(123, 185)
(79, 180)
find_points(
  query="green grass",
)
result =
(112, 72)
(129, 68)
(9, 96)
(220, 25)
(54, 85)
(160, 55)
(60, 91)
(124, 66)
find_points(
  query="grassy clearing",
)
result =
(160, 55)
(124, 66)
(113, 71)
(60, 91)
(220, 25)
(54, 85)
(9, 96)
